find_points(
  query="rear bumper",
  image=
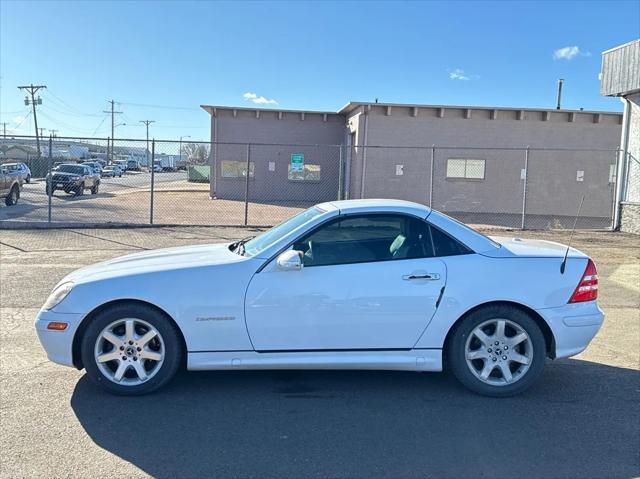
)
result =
(573, 326)
(57, 344)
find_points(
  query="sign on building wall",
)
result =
(297, 162)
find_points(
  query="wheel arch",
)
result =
(549, 339)
(79, 334)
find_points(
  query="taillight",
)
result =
(587, 289)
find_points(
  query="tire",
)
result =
(167, 342)
(28, 179)
(95, 188)
(524, 361)
(79, 191)
(13, 196)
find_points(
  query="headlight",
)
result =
(57, 295)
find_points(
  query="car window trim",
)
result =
(469, 250)
(336, 218)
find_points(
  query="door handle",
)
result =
(427, 276)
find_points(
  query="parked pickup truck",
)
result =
(73, 178)
(9, 186)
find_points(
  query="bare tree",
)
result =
(196, 153)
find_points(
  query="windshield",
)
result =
(78, 170)
(266, 239)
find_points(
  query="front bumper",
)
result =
(573, 326)
(58, 344)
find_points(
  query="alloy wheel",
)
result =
(129, 351)
(498, 352)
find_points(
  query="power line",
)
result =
(68, 106)
(66, 125)
(100, 124)
(22, 121)
(33, 89)
(166, 107)
(67, 113)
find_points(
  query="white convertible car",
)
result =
(362, 284)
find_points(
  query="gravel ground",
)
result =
(580, 420)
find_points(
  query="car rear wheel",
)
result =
(497, 351)
(79, 191)
(131, 350)
(28, 179)
(94, 189)
(13, 196)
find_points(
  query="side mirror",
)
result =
(290, 260)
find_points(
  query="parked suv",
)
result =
(73, 178)
(9, 186)
(19, 169)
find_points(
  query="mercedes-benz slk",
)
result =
(360, 284)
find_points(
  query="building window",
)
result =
(465, 168)
(309, 173)
(237, 169)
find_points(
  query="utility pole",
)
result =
(147, 123)
(53, 133)
(113, 123)
(41, 131)
(33, 89)
(4, 129)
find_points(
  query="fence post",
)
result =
(524, 187)
(340, 173)
(433, 157)
(49, 181)
(153, 157)
(246, 186)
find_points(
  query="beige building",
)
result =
(479, 171)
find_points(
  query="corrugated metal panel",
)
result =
(621, 69)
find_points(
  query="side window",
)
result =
(366, 238)
(445, 245)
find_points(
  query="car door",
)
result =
(368, 282)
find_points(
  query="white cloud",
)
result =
(460, 74)
(567, 53)
(259, 100)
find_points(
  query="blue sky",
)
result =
(162, 60)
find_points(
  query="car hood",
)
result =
(64, 173)
(531, 248)
(166, 259)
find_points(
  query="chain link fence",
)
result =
(163, 182)
(525, 188)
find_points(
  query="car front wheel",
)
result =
(497, 351)
(131, 350)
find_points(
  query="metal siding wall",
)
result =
(621, 70)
